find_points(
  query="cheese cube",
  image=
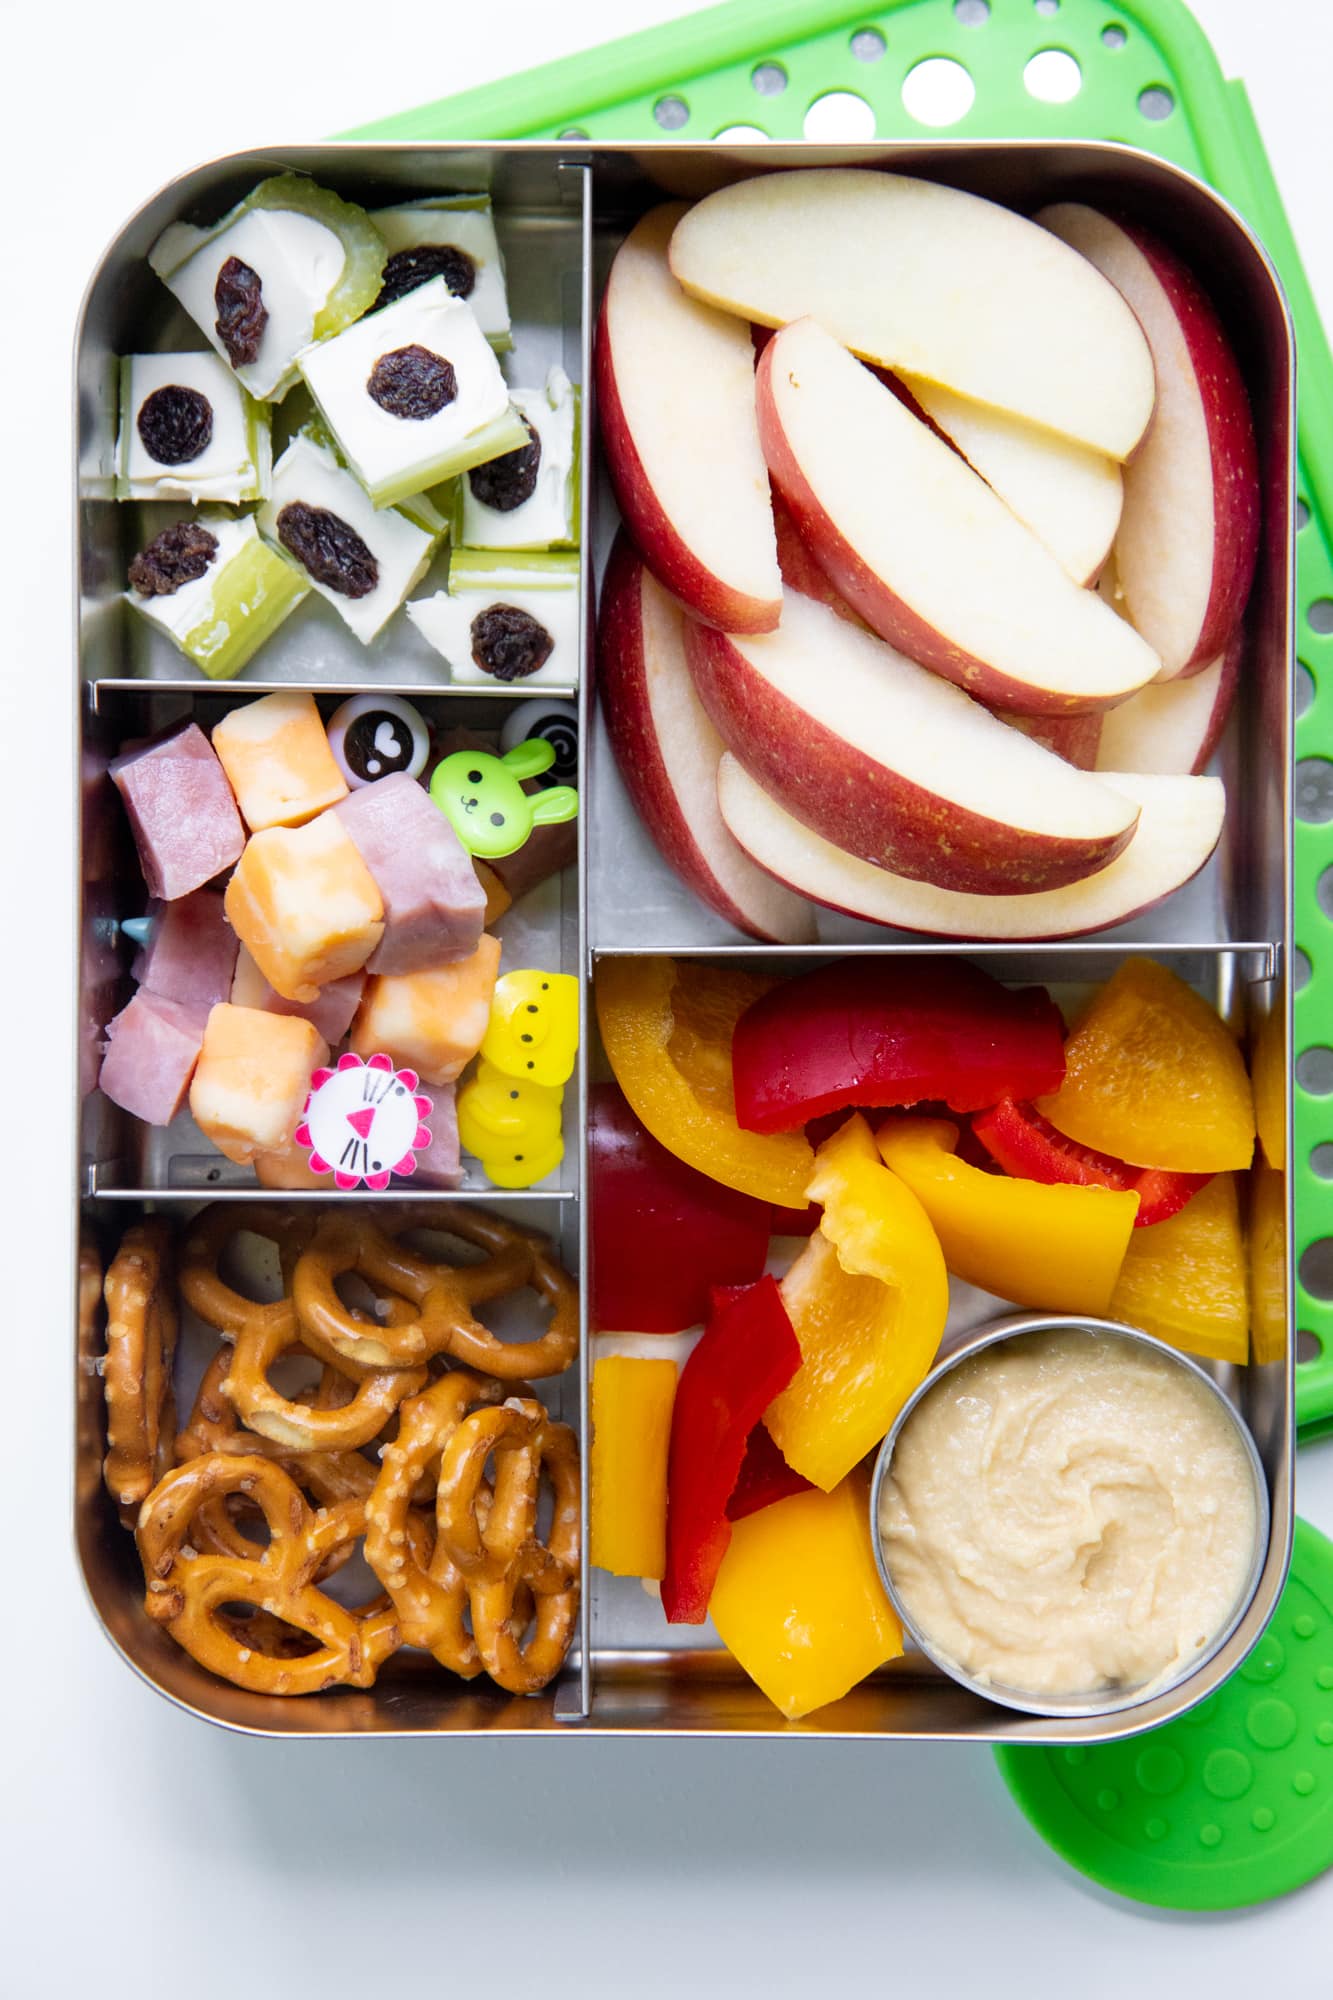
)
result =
(252, 1079)
(277, 757)
(305, 906)
(432, 1022)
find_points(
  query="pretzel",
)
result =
(441, 1294)
(496, 1546)
(187, 1591)
(207, 1236)
(140, 1346)
(430, 1597)
(300, 1427)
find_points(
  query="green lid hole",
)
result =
(1156, 102)
(938, 92)
(671, 113)
(1314, 790)
(1053, 77)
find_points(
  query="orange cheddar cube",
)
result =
(278, 761)
(253, 1074)
(305, 906)
(498, 898)
(432, 1022)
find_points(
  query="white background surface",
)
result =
(144, 1855)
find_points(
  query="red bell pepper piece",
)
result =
(765, 1476)
(747, 1353)
(882, 1032)
(1029, 1147)
(662, 1233)
(796, 1221)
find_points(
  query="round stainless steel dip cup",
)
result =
(1114, 1700)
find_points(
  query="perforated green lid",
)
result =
(1229, 1805)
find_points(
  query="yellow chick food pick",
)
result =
(512, 1127)
(534, 1026)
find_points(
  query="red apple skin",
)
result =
(799, 569)
(871, 598)
(864, 808)
(622, 686)
(675, 565)
(1073, 737)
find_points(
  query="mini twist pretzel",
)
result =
(514, 1580)
(301, 1427)
(207, 1236)
(429, 1596)
(140, 1346)
(442, 1295)
(186, 1593)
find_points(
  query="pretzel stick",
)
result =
(140, 1346)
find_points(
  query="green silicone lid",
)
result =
(1229, 1805)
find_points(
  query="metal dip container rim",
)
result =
(1116, 1700)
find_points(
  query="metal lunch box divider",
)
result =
(561, 210)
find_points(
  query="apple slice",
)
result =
(1069, 496)
(922, 548)
(1179, 824)
(932, 282)
(1172, 726)
(675, 395)
(896, 765)
(1189, 531)
(668, 753)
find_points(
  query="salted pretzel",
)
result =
(136, 1377)
(442, 1295)
(205, 1244)
(430, 1596)
(301, 1427)
(193, 1595)
(523, 1592)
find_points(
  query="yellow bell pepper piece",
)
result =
(1184, 1279)
(868, 1297)
(1268, 1265)
(1153, 1076)
(1055, 1247)
(1268, 1069)
(632, 1397)
(798, 1599)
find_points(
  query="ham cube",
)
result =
(181, 811)
(154, 1046)
(440, 1165)
(434, 906)
(191, 954)
(331, 1012)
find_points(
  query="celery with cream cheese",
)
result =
(547, 472)
(506, 620)
(221, 618)
(318, 260)
(400, 447)
(461, 224)
(220, 451)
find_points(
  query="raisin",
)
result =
(332, 552)
(509, 643)
(506, 482)
(242, 314)
(176, 424)
(412, 383)
(180, 554)
(407, 269)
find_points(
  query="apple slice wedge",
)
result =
(1172, 727)
(896, 765)
(668, 753)
(932, 282)
(675, 397)
(921, 547)
(1189, 531)
(1068, 495)
(1179, 824)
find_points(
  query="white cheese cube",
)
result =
(461, 224)
(366, 559)
(528, 500)
(188, 431)
(506, 622)
(412, 394)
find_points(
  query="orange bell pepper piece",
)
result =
(1153, 1076)
(868, 1297)
(798, 1600)
(1044, 1244)
(1268, 1265)
(1184, 1279)
(631, 1428)
(666, 1026)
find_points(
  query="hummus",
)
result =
(1069, 1513)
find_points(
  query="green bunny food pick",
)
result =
(482, 797)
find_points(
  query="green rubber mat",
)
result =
(1143, 74)
(1229, 1805)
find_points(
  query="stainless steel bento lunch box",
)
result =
(561, 210)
